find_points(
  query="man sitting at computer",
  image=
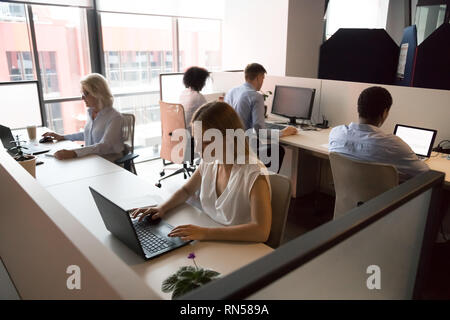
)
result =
(367, 142)
(249, 104)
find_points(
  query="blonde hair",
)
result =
(221, 116)
(97, 86)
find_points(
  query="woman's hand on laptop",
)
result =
(54, 136)
(153, 212)
(189, 232)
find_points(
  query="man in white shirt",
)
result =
(367, 142)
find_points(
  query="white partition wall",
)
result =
(391, 245)
(428, 108)
(42, 245)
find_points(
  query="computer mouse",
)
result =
(46, 140)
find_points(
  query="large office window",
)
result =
(139, 42)
(200, 43)
(137, 49)
(370, 14)
(63, 51)
(16, 62)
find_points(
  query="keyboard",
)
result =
(270, 125)
(149, 240)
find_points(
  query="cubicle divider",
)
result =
(428, 108)
(48, 254)
(379, 250)
(337, 101)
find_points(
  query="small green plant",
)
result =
(266, 94)
(188, 278)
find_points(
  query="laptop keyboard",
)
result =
(149, 240)
(274, 126)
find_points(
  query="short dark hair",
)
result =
(253, 70)
(195, 78)
(373, 101)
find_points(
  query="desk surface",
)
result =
(317, 141)
(124, 188)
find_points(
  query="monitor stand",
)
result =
(292, 121)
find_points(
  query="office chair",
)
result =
(356, 182)
(127, 161)
(281, 199)
(172, 118)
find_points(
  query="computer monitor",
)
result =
(20, 104)
(293, 102)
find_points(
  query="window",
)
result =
(428, 19)
(200, 43)
(20, 66)
(62, 44)
(137, 49)
(355, 14)
(16, 62)
(63, 62)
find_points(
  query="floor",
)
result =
(309, 212)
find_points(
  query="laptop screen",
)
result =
(420, 140)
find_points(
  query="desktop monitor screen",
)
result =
(420, 140)
(20, 104)
(293, 102)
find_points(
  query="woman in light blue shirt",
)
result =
(103, 131)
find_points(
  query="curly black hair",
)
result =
(195, 78)
(373, 101)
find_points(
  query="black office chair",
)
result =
(127, 161)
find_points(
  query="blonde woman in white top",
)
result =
(234, 195)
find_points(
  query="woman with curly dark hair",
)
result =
(194, 80)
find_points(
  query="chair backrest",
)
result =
(172, 118)
(128, 130)
(356, 182)
(281, 198)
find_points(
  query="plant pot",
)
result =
(29, 164)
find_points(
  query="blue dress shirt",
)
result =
(102, 135)
(249, 104)
(369, 143)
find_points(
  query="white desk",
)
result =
(315, 143)
(121, 186)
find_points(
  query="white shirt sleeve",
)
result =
(79, 136)
(110, 143)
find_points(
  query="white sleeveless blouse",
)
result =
(233, 205)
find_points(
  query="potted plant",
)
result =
(27, 161)
(265, 96)
(188, 278)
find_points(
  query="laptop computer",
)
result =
(420, 140)
(6, 136)
(147, 238)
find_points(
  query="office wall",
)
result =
(420, 107)
(255, 31)
(342, 271)
(304, 37)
